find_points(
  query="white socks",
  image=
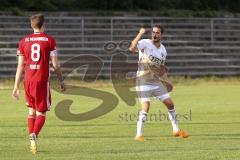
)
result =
(173, 118)
(142, 117)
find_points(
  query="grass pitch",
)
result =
(213, 124)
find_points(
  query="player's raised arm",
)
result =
(57, 70)
(133, 47)
(19, 72)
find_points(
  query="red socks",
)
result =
(35, 123)
(31, 121)
(39, 122)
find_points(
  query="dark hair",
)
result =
(37, 21)
(158, 26)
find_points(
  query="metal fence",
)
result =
(196, 46)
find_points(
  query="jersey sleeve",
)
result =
(53, 47)
(20, 51)
(141, 44)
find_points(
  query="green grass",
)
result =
(214, 128)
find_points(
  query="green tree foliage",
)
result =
(122, 5)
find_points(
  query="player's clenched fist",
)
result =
(142, 31)
(134, 43)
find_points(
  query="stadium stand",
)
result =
(196, 46)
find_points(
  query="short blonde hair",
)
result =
(37, 21)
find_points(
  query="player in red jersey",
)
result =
(36, 50)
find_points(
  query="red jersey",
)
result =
(37, 49)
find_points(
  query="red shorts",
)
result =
(37, 95)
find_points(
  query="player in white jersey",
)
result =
(152, 78)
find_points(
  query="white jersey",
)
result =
(151, 59)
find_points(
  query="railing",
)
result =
(210, 25)
(196, 46)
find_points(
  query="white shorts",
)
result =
(147, 90)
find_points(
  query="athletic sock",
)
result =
(39, 122)
(142, 117)
(31, 121)
(173, 118)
